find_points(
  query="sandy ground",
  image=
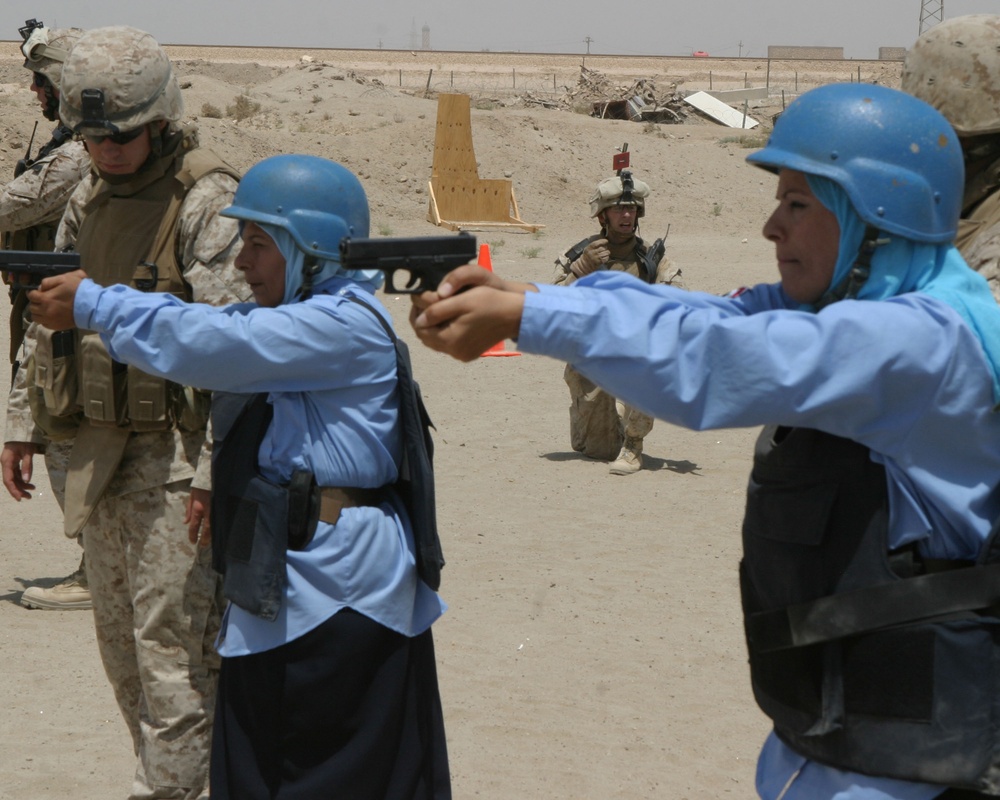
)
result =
(593, 647)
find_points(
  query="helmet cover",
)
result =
(955, 66)
(118, 79)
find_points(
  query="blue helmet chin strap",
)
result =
(853, 282)
(310, 268)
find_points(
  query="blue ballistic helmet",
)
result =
(896, 157)
(316, 200)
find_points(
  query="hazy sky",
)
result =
(633, 27)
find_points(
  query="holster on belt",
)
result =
(303, 509)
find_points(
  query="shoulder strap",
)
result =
(198, 162)
(385, 325)
(60, 136)
(416, 473)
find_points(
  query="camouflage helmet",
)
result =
(118, 79)
(621, 189)
(955, 66)
(46, 49)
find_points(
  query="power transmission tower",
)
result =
(931, 13)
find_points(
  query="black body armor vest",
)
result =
(869, 661)
(249, 513)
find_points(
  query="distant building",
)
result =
(891, 53)
(793, 51)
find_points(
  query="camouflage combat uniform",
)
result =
(598, 423)
(979, 229)
(31, 206)
(138, 443)
(154, 593)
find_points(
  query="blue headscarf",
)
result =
(328, 268)
(903, 265)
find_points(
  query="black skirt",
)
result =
(350, 711)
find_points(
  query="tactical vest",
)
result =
(128, 236)
(39, 238)
(249, 512)
(634, 263)
(869, 661)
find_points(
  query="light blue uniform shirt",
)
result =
(330, 373)
(905, 377)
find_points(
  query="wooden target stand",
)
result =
(459, 198)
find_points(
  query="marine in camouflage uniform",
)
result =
(31, 206)
(139, 455)
(600, 426)
(955, 66)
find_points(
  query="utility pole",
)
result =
(931, 13)
(741, 49)
(588, 40)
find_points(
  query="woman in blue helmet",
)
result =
(869, 568)
(328, 686)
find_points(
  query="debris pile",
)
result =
(639, 101)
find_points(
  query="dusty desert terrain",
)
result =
(593, 646)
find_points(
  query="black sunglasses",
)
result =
(117, 138)
(39, 80)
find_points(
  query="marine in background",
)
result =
(955, 67)
(31, 206)
(602, 427)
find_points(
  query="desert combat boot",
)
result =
(70, 594)
(630, 458)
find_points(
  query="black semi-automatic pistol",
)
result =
(28, 268)
(424, 260)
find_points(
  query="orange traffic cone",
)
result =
(499, 349)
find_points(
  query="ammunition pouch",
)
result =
(55, 373)
(55, 428)
(102, 390)
(75, 373)
(148, 399)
